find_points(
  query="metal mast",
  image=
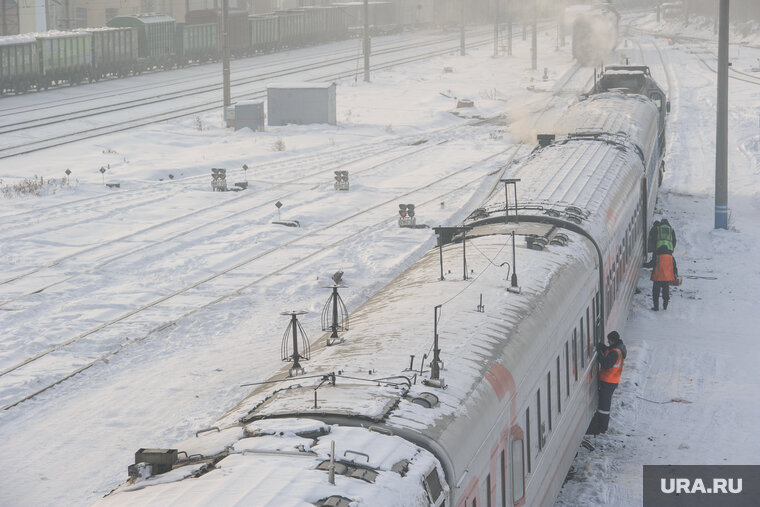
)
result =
(496, 29)
(534, 42)
(721, 135)
(366, 43)
(461, 31)
(226, 53)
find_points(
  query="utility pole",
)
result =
(510, 15)
(534, 42)
(721, 134)
(5, 20)
(496, 29)
(562, 23)
(366, 41)
(226, 54)
(461, 32)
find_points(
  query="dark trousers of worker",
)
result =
(656, 286)
(605, 401)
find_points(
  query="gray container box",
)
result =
(249, 113)
(161, 460)
(301, 103)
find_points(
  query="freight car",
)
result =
(155, 38)
(114, 51)
(64, 56)
(495, 410)
(196, 43)
(141, 42)
(265, 33)
(19, 63)
(239, 29)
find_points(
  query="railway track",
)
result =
(477, 39)
(244, 75)
(733, 73)
(55, 140)
(248, 267)
(265, 198)
(118, 333)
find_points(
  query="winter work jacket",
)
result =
(612, 365)
(665, 269)
(666, 237)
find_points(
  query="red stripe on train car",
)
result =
(501, 380)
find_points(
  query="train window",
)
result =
(559, 389)
(575, 356)
(527, 435)
(597, 317)
(434, 488)
(549, 398)
(583, 356)
(503, 478)
(518, 471)
(589, 348)
(488, 490)
(539, 433)
(657, 98)
(567, 368)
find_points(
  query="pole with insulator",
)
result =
(366, 43)
(435, 371)
(510, 15)
(496, 28)
(721, 135)
(461, 31)
(226, 53)
(534, 42)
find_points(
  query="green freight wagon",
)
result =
(264, 33)
(64, 56)
(19, 63)
(315, 25)
(291, 27)
(337, 24)
(196, 43)
(114, 51)
(238, 31)
(155, 38)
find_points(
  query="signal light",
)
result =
(410, 209)
(402, 210)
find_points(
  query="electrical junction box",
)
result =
(301, 103)
(250, 114)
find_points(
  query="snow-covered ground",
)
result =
(101, 253)
(80, 256)
(691, 389)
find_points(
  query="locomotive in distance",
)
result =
(497, 416)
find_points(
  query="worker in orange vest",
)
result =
(611, 360)
(664, 272)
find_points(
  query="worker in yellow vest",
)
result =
(611, 360)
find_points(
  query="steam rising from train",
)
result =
(595, 34)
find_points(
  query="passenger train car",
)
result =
(471, 378)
